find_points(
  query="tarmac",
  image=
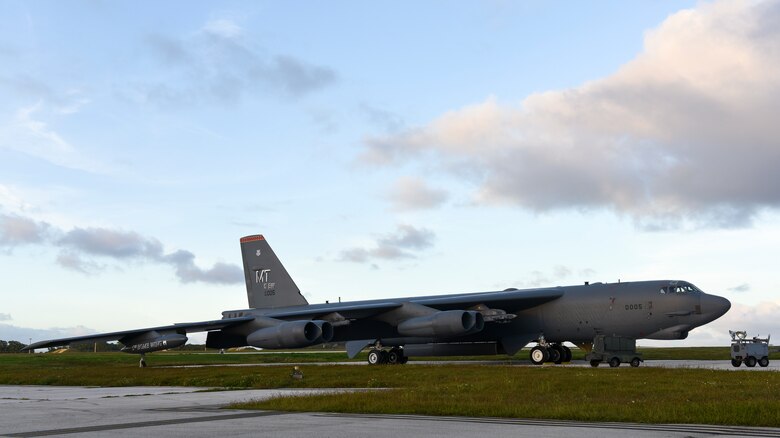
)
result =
(33, 411)
(701, 364)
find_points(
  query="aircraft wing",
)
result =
(511, 301)
(179, 328)
(351, 311)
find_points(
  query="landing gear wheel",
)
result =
(555, 354)
(394, 356)
(764, 362)
(383, 356)
(566, 354)
(539, 355)
(142, 362)
(594, 363)
(635, 362)
(614, 362)
(736, 362)
(750, 361)
(374, 357)
(403, 360)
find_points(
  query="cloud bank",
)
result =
(686, 132)
(411, 193)
(83, 248)
(403, 244)
(220, 63)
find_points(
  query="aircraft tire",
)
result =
(736, 362)
(374, 357)
(635, 362)
(614, 362)
(556, 354)
(594, 363)
(566, 353)
(403, 360)
(539, 355)
(383, 357)
(750, 362)
(763, 362)
(394, 356)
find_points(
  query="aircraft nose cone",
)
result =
(714, 306)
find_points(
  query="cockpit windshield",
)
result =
(679, 287)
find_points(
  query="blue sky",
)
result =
(384, 151)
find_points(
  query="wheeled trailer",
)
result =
(614, 350)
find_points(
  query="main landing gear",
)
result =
(555, 353)
(393, 356)
(142, 362)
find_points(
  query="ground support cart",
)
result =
(614, 350)
(749, 350)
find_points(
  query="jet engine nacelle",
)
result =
(444, 324)
(291, 334)
(152, 341)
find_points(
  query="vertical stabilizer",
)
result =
(267, 282)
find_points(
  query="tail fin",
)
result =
(267, 282)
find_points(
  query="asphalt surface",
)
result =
(704, 364)
(32, 411)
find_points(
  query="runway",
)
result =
(33, 411)
(702, 364)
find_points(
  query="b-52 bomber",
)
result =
(484, 323)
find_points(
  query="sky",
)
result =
(384, 150)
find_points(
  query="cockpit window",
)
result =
(679, 288)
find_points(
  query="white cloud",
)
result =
(223, 28)
(80, 247)
(19, 230)
(29, 134)
(221, 64)
(411, 193)
(685, 131)
(10, 200)
(403, 244)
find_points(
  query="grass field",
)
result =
(643, 394)
(649, 395)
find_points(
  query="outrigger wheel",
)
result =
(142, 362)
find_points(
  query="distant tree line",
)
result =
(11, 346)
